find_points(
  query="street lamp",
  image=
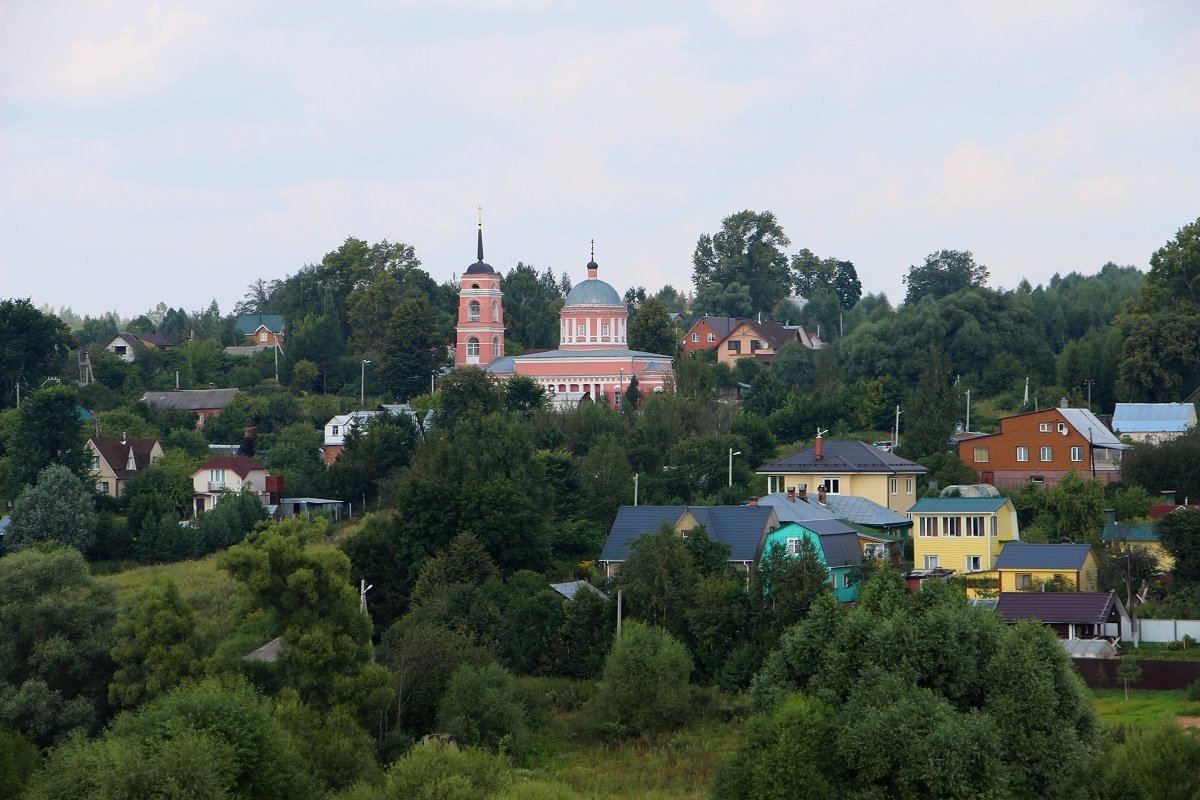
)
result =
(362, 384)
(731, 455)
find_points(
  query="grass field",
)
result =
(1143, 707)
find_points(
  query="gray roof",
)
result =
(849, 456)
(5, 521)
(1089, 425)
(721, 326)
(584, 354)
(593, 292)
(740, 527)
(851, 508)
(190, 399)
(1023, 555)
(1153, 417)
(840, 549)
(796, 510)
(245, 351)
(501, 366)
(828, 527)
(1057, 607)
(569, 590)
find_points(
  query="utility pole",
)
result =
(362, 384)
(896, 431)
(968, 430)
(731, 455)
(1088, 383)
(635, 489)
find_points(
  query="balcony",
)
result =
(216, 486)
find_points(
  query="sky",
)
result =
(177, 151)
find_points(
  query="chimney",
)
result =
(122, 437)
(1110, 516)
(803, 488)
(791, 490)
(819, 446)
(754, 501)
(1063, 403)
(822, 496)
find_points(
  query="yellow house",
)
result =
(1027, 567)
(846, 468)
(114, 461)
(1139, 537)
(965, 534)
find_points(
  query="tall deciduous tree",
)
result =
(33, 346)
(943, 273)
(650, 329)
(930, 410)
(51, 433)
(155, 647)
(645, 683)
(413, 349)
(1180, 535)
(531, 303)
(748, 250)
(58, 509)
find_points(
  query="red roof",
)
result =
(242, 465)
(1162, 509)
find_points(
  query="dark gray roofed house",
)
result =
(1072, 615)
(204, 403)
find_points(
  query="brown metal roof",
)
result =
(1091, 608)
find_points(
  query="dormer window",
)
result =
(262, 335)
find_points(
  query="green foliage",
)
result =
(413, 349)
(650, 329)
(797, 735)
(33, 346)
(1158, 762)
(58, 509)
(1179, 533)
(229, 522)
(523, 395)
(373, 454)
(943, 273)
(466, 393)
(658, 578)
(155, 647)
(210, 740)
(50, 433)
(435, 771)
(645, 684)
(421, 659)
(748, 250)
(295, 453)
(336, 748)
(480, 709)
(19, 759)
(1173, 465)
(927, 432)
(531, 303)
(1128, 671)
(55, 635)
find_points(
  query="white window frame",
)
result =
(875, 550)
(895, 485)
(931, 562)
(908, 485)
(1076, 453)
(1045, 454)
(473, 311)
(793, 546)
(1044, 427)
(952, 526)
(927, 527)
(832, 485)
(695, 337)
(712, 337)
(976, 526)
(1062, 427)
(974, 564)
(472, 347)
(1022, 454)
(262, 336)
(581, 329)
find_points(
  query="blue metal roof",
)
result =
(841, 457)
(593, 292)
(1115, 532)
(1023, 555)
(1153, 417)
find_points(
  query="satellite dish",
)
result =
(1064, 430)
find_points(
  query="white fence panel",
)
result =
(1168, 630)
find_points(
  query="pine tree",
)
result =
(413, 348)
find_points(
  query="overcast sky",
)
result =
(176, 151)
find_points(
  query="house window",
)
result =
(974, 563)
(952, 526)
(1062, 427)
(981, 455)
(695, 337)
(95, 462)
(875, 551)
(832, 485)
(1037, 479)
(472, 348)
(735, 346)
(842, 581)
(1044, 427)
(908, 486)
(712, 337)
(931, 562)
(262, 336)
(1022, 454)
(1046, 453)
(495, 345)
(793, 546)
(333, 430)
(755, 344)
(1077, 454)
(617, 398)
(473, 311)
(604, 329)
(104, 487)
(929, 526)
(581, 329)
(895, 485)
(976, 526)
(1024, 581)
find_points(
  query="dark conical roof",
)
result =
(480, 268)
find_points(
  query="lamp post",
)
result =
(731, 455)
(362, 384)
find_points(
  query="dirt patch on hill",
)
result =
(1188, 722)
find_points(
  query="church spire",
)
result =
(480, 234)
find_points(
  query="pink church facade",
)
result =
(593, 359)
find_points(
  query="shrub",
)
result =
(1193, 691)
(481, 709)
(645, 684)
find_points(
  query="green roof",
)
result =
(958, 505)
(249, 323)
(1129, 533)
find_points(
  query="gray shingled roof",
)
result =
(840, 549)
(1023, 555)
(796, 510)
(740, 527)
(849, 456)
(190, 399)
(864, 512)
(1057, 607)
(1090, 426)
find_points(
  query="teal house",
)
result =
(836, 544)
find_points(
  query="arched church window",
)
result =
(473, 347)
(495, 345)
(473, 311)
(495, 311)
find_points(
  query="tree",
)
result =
(798, 734)
(58, 509)
(747, 250)
(295, 453)
(55, 636)
(372, 455)
(1155, 761)
(51, 433)
(632, 398)
(724, 300)
(468, 392)
(155, 647)
(523, 395)
(658, 578)
(645, 682)
(1179, 533)
(19, 759)
(480, 709)
(316, 338)
(1173, 465)
(413, 349)
(932, 407)
(811, 274)
(650, 329)
(1128, 671)
(531, 307)
(943, 273)
(33, 346)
